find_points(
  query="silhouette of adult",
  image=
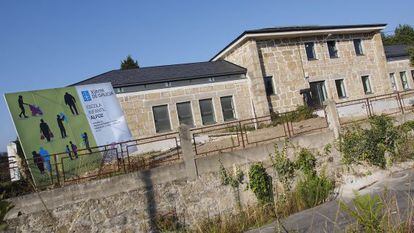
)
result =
(71, 102)
(46, 158)
(86, 142)
(45, 130)
(21, 106)
(60, 120)
(37, 159)
(74, 149)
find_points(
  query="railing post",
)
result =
(368, 108)
(241, 133)
(400, 102)
(57, 169)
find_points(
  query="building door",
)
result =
(317, 94)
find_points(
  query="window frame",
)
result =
(366, 92)
(313, 51)
(265, 79)
(342, 86)
(360, 47)
(191, 113)
(393, 81)
(213, 112)
(233, 108)
(404, 74)
(336, 51)
(157, 130)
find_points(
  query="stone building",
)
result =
(259, 72)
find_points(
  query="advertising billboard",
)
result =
(66, 120)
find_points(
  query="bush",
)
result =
(368, 212)
(306, 162)
(15, 188)
(284, 167)
(261, 184)
(370, 145)
(314, 189)
(301, 113)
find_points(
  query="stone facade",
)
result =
(398, 65)
(137, 106)
(285, 60)
(247, 56)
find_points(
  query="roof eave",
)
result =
(266, 35)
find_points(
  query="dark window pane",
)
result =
(185, 115)
(358, 46)
(161, 118)
(268, 82)
(207, 111)
(366, 84)
(333, 52)
(227, 108)
(340, 88)
(310, 50)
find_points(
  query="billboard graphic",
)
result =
(66, 120)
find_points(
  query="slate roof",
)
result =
(396, 51)
(298, 28)
(157, 74)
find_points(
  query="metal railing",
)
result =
(245, 133)
(388, 104)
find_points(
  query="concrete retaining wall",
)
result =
(125, 203)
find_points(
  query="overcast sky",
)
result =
(45, 44)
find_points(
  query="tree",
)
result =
(129, 63)
(403, 34)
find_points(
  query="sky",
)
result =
(46, 44)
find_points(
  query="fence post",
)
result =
(187, 152)
(332, 117)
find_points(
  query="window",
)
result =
(366, 84)
(310, 50)
(161, 118)
(358, 47)
(228, 108)
(404, 81)
(412, 74)
(317, 94)
(185, 115)
(340, 88)
(333, 52)
(268, 82)
(393, 83)
(207, 111)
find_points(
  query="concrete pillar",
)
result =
(332, 117)
(187, 152)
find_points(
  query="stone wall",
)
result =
(285, 60)
(138, 106)
(398, 65)
(125, 203)
(247, 56)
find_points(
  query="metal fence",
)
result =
(251, 132)
(97, 162)
(387, 104)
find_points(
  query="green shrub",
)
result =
(261, 183)
(367, 211)
(306, 162)
(284, 167)
(370, 145)
(314, 189)
(301, 113)
(15, 188)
